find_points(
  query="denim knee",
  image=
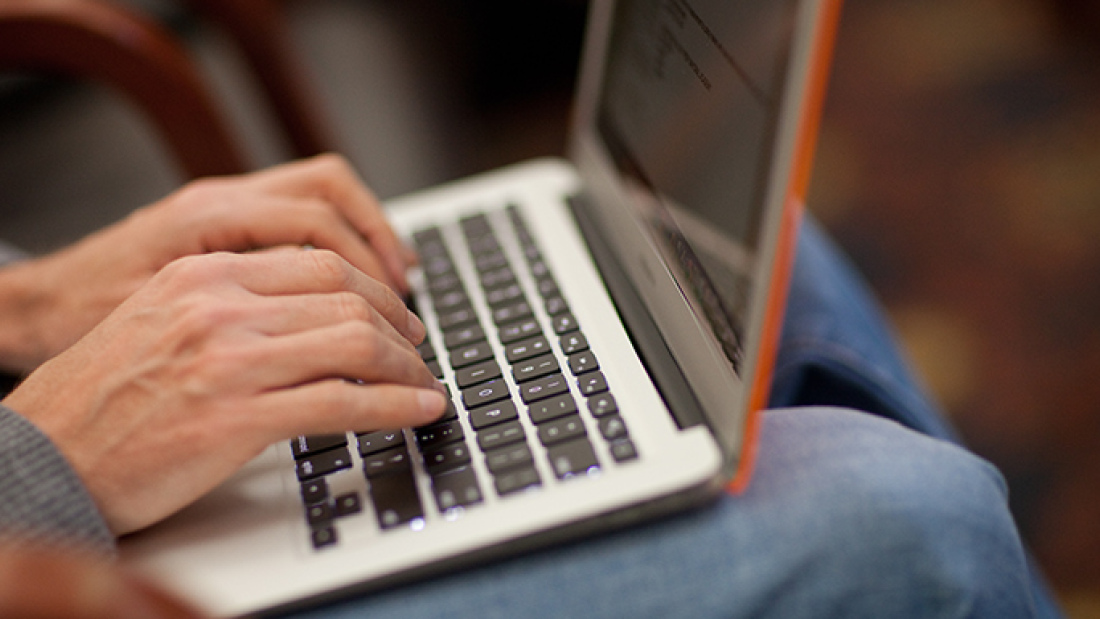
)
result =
(890, 522)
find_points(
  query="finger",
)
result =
(275, 220)
(288, 314)
(338, 406)
(331, 178)
(352, 351)
(280, 273)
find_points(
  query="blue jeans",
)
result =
(849, 514)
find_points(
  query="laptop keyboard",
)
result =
(522, 381)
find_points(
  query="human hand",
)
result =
(318, 202)
(217, 357)
(48, 583)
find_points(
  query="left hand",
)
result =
(319, 202)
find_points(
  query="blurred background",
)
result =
(959, 165)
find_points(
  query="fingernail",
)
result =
(431, 403)
(415, 327)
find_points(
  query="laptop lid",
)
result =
(694, 132)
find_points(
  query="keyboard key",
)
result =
(573, 343)
(495, 436)
(314, 491)
(564, 323)
(508, 313)
(583, 362)
(427, 352)
(602, 404)
(623, 451)
(535, 368)
(461, 336)
(561, 430)
(446, 458)
(497, 278)
(592, 383)
(456, 488)
(612, 428)
(374, 442)
(483, 244)
(556, 305)
(538, 268)
(323, 536)
(457, 317)
(519, 330)
(436, 369)
(444, 283)
(510, 457)
(478, 373)
(430, 437)
(486, 416)
(511, 293)
(395, 499)
(471, 354)
(323, 463)
(346, 504)
(450, 300)
(386, 462)
(477, 224)
(544, 387)
(519, 479)
(438, 266)
(525, 349)
(573, 458)
(485, 393)
(307, 445)
(547, 287)
(552, 408)
(490, 261)
(319, 514)
(427, 236)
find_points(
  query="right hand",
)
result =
(218, 356)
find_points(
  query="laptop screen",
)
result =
(688, 110)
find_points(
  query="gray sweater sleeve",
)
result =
(41, 497)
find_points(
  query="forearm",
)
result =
(41, 498)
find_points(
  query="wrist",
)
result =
(24, 296)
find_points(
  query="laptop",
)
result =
(606, 326)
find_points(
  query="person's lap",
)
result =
(848, 514)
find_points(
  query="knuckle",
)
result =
(353, 307)
(329, 267)
(368, 342)
(334, 163)
(391, 305)
(197, 269)
(205, 314)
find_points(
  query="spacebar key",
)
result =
(396, 501)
